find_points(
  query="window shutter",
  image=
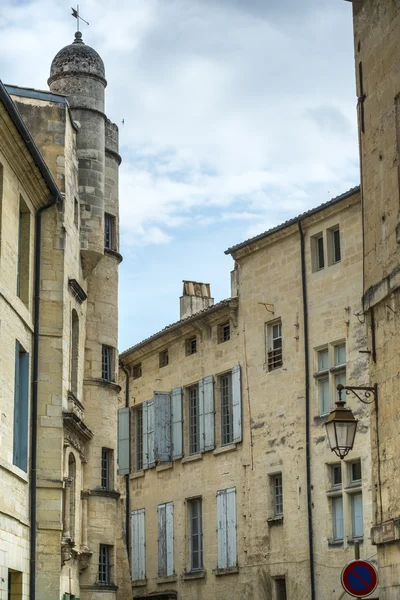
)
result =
(162, 541)
(123, 441)
(221, 529)
(337, 513)
(226, 515)
(208, 404)
(150, 433)
(145, 441)
(201, 415)
(236, 404)
(162, 437)
(169, 534)
(138, 545)
(176, 408)
(357, 510)
(17, 410)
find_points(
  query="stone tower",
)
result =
(77, 72)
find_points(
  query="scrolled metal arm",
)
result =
(369, 394)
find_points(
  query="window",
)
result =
(138, 541)
(357, 525)
(274, 345)
(191, 346)
(21, 401)
(107, 363)
(224, 332)
(327, 377)
(196, 534)
(14, 585)
(355, 472)
(23, 258)
(109, 231)
(336, 475)
(337, 518)
(280, 588)
(139, 438)
(72, 493)
(226, 527)
(137, 371)
(105, 565)
(163, 358)
(335, 239)
(194, 417)
(74, 358)
(277, 494)
(106, 468)
(166, 539)
(76, 212)
(317, 252)
(225, 383)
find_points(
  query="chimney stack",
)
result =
(196, 296)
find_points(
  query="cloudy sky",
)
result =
(238, 114)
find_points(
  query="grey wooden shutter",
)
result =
(150, 434)
(162, 427)
(226, 528)
(236, 404)
(166, 539)
(208, 395)
(201, 415)
(21, 404)
(145, 443)
(123, 441)
(176, 409)
(138, 545)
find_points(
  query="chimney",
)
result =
(196, 296)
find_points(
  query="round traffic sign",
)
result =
(359, 578)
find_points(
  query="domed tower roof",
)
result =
(75, 59)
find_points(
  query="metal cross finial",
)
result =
(75, 13)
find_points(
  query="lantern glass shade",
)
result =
(341, 430)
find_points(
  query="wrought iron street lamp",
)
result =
(341, 425)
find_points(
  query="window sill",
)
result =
(226, 571)
(114, 253)
(139, 583)
(100, 587)
(164, 467)
(351, 541)
(226, 448)
(137, 475)
(334, 492)
(106, 493)
(194, 575)
(335, 543)
(278, 520)
(169, 579)
(192, 458)
(353, 487)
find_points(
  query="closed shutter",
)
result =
(17, 410)
(162, 427)
(337, 515)
(176, 408)
(166, 539)
(21, 404)
(145, 447)
(138, 545)
(150, 434)
(357, 515)
(236, 404)
(201, 416)
(123, 441)
(208, 404)
(226, 528)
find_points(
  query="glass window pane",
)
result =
(357, 515)
(340, 355)
(323, 360)
(324, 400)
(336, 474)
(355, 472)
(336, 246)
(337, 517)
(320, 253)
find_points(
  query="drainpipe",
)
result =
(307, 382)
(127, 503)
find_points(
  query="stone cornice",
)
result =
(103, 383)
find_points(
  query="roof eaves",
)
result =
(294, 220)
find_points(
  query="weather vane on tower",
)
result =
(75, 13)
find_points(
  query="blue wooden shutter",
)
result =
(21, 404)
(162, 541)
(201, 416)
(208, 403)
(226, 528)
(176, 408)
(162, 427)
(138, 545)
(145, 442)
(150, 434)
(169, 535)
(123, 441)
(236, 404)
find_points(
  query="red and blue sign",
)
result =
(359, 578)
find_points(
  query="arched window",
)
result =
(72, 479)
(74, 352)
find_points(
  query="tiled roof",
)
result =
(304, 215)
(175, 325)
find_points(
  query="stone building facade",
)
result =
(77, 506)
(377, 58)
(231, 488)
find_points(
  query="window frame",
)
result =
(274, 352)
(163, 359)
(334, 500)
(104, 571)
(331, 375)
(356, 535)
(353, 481)
(277, 494)
(191, 348)
(224, 332)
(137, 371)
(107, 363)
(195, 505)
(109, 231)
(194, 419)
(139, 438)
(106, 482)
(226, 402)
